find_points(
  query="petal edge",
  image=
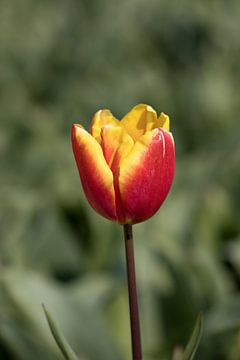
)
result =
(96, 176)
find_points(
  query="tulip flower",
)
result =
(126, 167)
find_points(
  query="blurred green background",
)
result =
(60, 62)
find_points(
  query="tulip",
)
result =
(126, 167)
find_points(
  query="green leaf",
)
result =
(59, 338)
(194, 340)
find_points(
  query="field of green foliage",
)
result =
(61, 61)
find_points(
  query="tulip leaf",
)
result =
(59, 338)
(194, 340)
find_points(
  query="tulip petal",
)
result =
(163, 121)
(101, 118)
(116, 145)
(95, 174)
(141, 118)
(146, 175)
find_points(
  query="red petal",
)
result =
(146, 175)
(95, 174)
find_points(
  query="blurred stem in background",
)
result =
(132, 292)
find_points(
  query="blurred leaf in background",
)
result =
(60, 62)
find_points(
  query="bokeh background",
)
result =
(60, 62)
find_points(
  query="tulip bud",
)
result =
(126, 167)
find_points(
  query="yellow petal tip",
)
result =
(164, 121)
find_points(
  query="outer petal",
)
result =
(95, 174)
(141, 118)
(146, 175)
(101, 118)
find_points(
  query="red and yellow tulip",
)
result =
(126, 167)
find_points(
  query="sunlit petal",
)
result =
(101, 118)
(95, 174)
(140, 119)
(146, 175)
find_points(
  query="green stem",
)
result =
(132, 292)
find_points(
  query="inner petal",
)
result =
(163, 122)
(101, 118)
(116, 145)
(140, 119)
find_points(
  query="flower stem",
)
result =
(132, 292)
